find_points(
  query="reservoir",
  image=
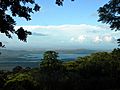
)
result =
(32, 60)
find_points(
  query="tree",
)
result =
(50, 63)
(116, 54)
(2, 79)
(110, 14)
(17, 69)
(20, 81)
(60, 2)
(1, 45)
(18, 8)
(51, 70)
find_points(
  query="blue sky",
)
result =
(71, 26)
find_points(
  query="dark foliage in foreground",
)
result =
(16, 8)
(99, 71)
(110, 14)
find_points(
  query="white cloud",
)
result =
(81, 38)
(67, 29)
(105, 39)
(72, 39)
(63, 27)
(109, 38)
(97, 39)
(75, 33)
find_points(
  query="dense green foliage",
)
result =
(99, 71)
(16, 8)
(110, 14)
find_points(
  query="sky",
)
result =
(71, 26)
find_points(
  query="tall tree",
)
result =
(50, 63)
(51, 70)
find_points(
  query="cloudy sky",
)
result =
(71, 26)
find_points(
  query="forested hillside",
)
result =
(99, 71)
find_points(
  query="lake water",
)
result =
(61, 56)
(33, 60)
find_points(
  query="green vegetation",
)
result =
(99, 71)
(18, 8)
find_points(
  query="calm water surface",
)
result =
(33, 60)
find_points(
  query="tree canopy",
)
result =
(110, 14)
(98, 71)
(50, 61)
(17, 8)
